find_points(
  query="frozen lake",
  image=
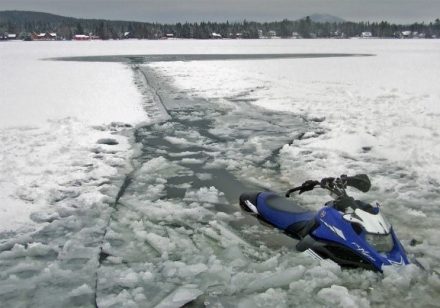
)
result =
(134, 204)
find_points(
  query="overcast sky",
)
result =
(401, 11)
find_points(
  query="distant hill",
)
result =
(29, 16)
(322, 18)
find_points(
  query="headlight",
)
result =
(380, 242)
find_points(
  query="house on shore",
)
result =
(295, 35)
(44, 36)
(128, 35)
(216, 35)
(271, 33)
(366, 34)
(84, 37)
(412, 35)
(236, 35)
(406, 34)
(8, 36)
(81, 37)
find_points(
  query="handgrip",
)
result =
(306, 186)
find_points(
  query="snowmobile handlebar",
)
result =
(306, 186)
(336, 186)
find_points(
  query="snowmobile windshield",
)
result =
(380, 242)
(373, 223)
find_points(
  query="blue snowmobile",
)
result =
(349, 232)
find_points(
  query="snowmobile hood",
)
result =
(373, 249)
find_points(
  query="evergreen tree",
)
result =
(304, 27)
(79, 28)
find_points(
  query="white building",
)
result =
(406, 34)
(295, 35)
(271, 33)
(216, 35)
(81, 37)
(366, 34)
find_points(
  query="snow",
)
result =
(81, 291)
(204, 194)
(34, 91)
(180, 297)
(339, 296)
(52, 114)
(42, 166)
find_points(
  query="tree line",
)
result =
(23, 23)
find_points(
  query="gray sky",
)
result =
(401, 11)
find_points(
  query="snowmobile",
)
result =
(349, 232)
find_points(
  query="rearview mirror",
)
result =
(359, 181)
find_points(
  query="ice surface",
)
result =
(43, 166)
(36, 91)
(180, 296)
(339, 296)
(116, 223)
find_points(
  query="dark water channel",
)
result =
(143, 59)
(215, 144)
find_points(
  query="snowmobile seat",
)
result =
(279, 203)
(280, 211)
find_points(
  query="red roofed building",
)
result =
(44, 36)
